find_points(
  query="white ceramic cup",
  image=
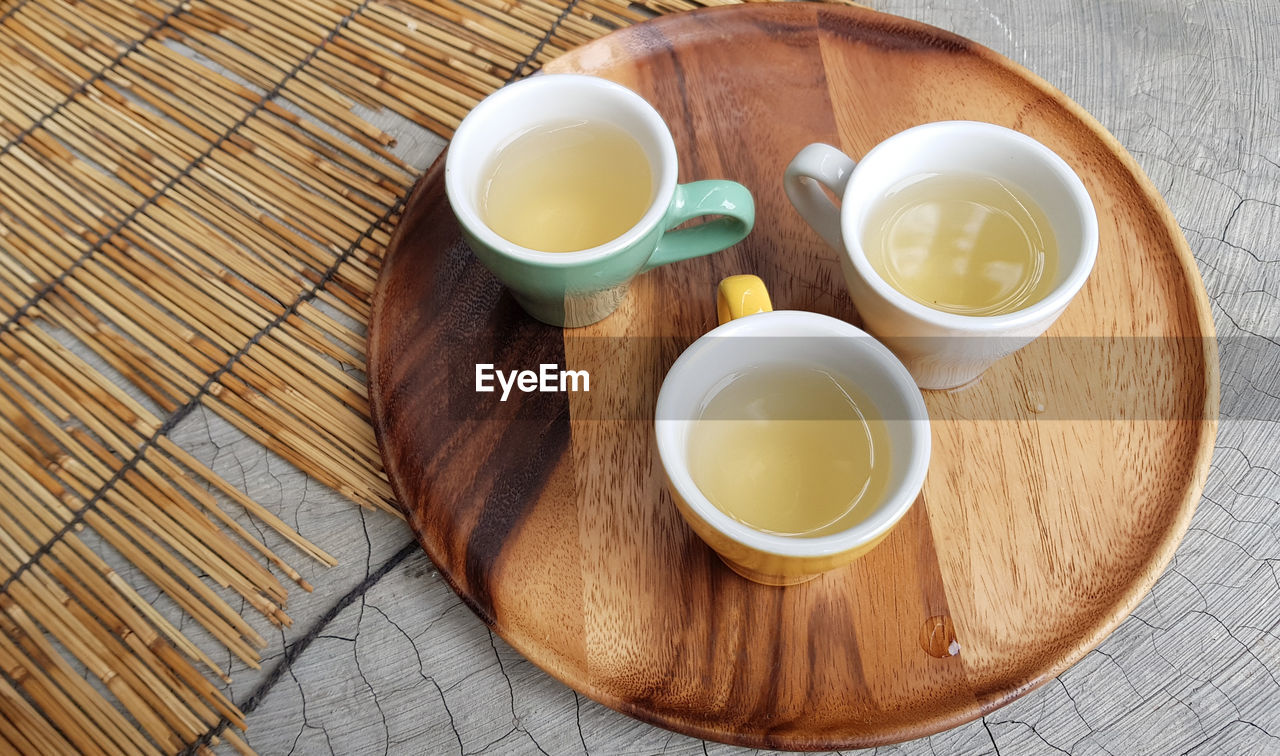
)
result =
(943, 349)
(791, 338)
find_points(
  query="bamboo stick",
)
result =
(62, 710)
(156, 708)
(239, 745)
(181, 456)
(27, 729)
(194, 550)
(92, 572)
(22, 608)
(189, 601)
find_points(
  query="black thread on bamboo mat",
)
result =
(543, 42)
(262, 102)
(295, 649)
(186, 409)
(84, 85)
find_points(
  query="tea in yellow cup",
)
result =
(792, 441)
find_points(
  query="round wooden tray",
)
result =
(1036, 533)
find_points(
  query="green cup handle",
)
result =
(728, 199)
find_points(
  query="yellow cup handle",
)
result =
(739, 296)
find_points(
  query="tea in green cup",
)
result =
(547, 181)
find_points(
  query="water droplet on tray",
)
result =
(938, 637)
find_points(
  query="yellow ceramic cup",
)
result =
(752, 335)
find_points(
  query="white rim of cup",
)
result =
(1058, 297)
(896, 503)
(465, 206)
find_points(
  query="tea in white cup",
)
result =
(963, 243)
(946, 311)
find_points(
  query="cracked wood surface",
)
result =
(396, 664)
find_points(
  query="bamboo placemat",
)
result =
(192, 215)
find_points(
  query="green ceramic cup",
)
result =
(572, 289)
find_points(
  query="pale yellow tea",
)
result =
(962, 243)
(791, 450)
(567, 186)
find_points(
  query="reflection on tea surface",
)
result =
(963, 243)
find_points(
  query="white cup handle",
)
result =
(819, 164)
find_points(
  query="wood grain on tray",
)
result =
(1060, 483)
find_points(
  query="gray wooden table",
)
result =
(383, 658)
